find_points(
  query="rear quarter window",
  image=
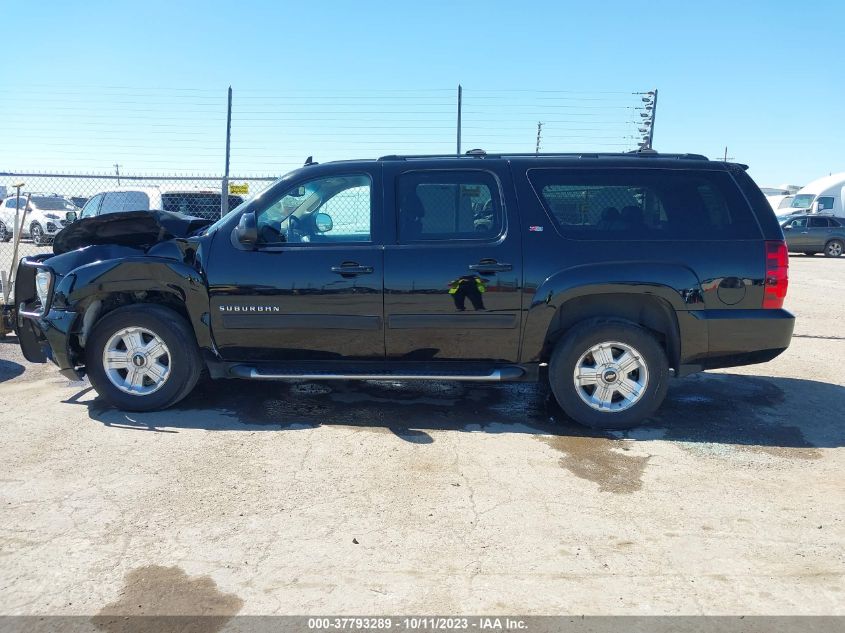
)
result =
(644, 204)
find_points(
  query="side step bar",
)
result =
(498, 375)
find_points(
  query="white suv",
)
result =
(201, 203)
(46, 215)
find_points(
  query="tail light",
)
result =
(777, 274)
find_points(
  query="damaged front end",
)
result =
(51, 315)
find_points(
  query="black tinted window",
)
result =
(448, 205)
(647, 204)
(819, 223)
(834, 222)
(201, 205)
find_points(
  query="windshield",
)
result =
(52, 203)
(784, 204)
(803, 201)
(251, 202)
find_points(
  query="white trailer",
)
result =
(824, 195)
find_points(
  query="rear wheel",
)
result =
(609, 374)
(833, 248)
(143, 358)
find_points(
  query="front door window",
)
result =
(330, 210)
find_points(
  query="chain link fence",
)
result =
(53, 196)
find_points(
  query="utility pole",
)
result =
(727, 158)
(539, 131)
(20, 219)
(460, 103)
(117, 171)
(224, 190)
(653, 118)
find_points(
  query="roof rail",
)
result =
(480, 154)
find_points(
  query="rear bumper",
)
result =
(743, 337)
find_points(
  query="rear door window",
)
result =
(449, 205)
(644, 204)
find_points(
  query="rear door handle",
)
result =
(350, 269)
(490, 266)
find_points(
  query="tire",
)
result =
(169, 372)
(36, 233)
(834, 248)
(5, 234)
(647, 380)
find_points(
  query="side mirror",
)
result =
(323, 222)
(70, 216)
(247, 230)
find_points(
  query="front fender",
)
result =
(676, 285)
(97, 280)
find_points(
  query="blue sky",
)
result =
(143, 84)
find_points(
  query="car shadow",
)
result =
(8, 368)
(704, 408)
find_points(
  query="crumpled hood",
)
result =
(137, 229)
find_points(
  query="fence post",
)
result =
(460, 99)
(224, 192)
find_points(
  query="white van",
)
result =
(201, 203)
(824, 195)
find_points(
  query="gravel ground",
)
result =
(399, 498)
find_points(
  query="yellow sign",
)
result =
(239, 189)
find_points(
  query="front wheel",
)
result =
(609, 374)
(143, 358)
(37, 235)
(833, 248)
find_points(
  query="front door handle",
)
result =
(490, 266)
(351, 269)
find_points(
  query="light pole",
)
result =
(647, 113)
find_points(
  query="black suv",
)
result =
(605, 273)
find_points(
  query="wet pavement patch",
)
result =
(600, 460)
(158, 598)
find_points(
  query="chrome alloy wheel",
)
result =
(834, 249)
(136, 361)
(611, 376)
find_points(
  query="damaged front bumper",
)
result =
(49, 338)
(43, 334)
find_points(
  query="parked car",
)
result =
(46, 215)
(811, 234)
(201, 203)
(604, 274)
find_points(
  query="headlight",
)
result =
(43, 280)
